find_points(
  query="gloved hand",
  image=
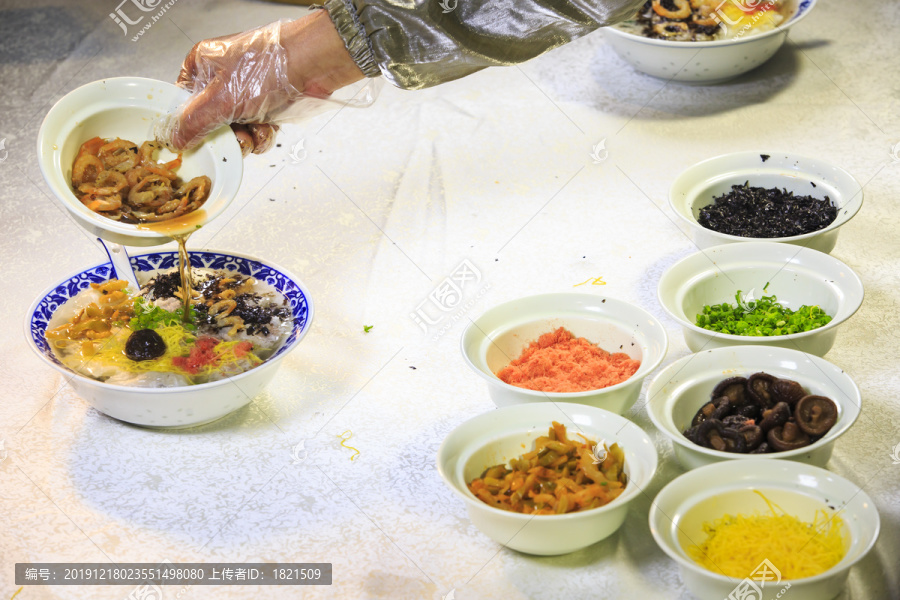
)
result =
(287, 69)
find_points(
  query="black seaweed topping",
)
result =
(165, 285)
(766, 213)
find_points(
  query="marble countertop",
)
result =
(386, 202)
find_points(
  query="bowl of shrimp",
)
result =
(705, 41)
(98, 156)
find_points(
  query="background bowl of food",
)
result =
(506, 434)
(121, 112)
(686, 404)
(732, 287)
(825, 524)
(776, 196)
(138, 363)
(705, 41)
(623, 345)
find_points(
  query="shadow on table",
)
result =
(44, 34)
(634, 95)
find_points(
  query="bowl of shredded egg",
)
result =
(764, 528)
(705, 41)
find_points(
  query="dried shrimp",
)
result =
(125, 182)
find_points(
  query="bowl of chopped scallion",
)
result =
(760, 293)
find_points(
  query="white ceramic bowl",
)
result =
(703, 62)
(500, 335)
(797, 276)
(177, 406)
(696, 187)
(496, 437)
(679, 390)
(710, 492)
(126, 107)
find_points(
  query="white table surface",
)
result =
(494, 168)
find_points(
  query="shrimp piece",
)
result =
(147, 152)
(176, 206)
(682, 9)
(236, 324)
(223, 306)
(119, 154)
(706, 16)
(106, 184)
(104, 203)
(197, 189)
(162, 171)
(149, 190)
(86, 169)
(672, 29)
(136, 175)
(147, 158)
(92, 147)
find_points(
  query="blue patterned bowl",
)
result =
(183, 406)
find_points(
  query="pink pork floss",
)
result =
(560, 362)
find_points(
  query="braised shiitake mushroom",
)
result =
(787, 390)
(733, 388)
(775, 416)
(787, 437)
(759, 387)
(815, 415)
(759, 414)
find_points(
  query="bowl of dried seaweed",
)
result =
(765, 196)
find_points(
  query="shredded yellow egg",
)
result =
(178, 343)
(765, 14)
(737, 544)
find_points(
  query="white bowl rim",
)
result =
(117, 227)
(788, 464)
(70, 374)
(833, 434)
(846, 212)
(632, 490)
(751, 339)
(494, 380)
(782, 28)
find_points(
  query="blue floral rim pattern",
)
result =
(804, 6)
(58, 296)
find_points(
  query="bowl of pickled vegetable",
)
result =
(766, 530)
(776, 196)
(746, 402)
(760, 293)
(548, 478)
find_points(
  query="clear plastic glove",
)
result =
(283, 71)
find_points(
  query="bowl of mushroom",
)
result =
(742, 402)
